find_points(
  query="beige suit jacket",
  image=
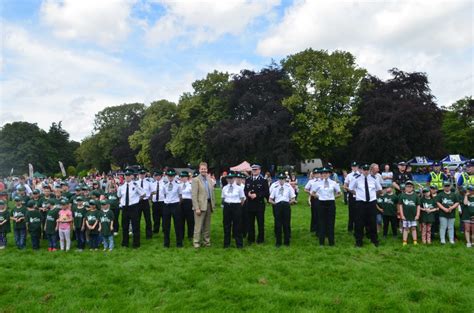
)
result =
(199, 194)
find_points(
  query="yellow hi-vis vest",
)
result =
(437, 180)
(467, 179)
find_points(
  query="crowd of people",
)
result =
(89, 210)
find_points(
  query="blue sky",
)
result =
(66, 60)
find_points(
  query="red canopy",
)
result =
(242, 167)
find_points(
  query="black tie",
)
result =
(141, 184)
(127, 197)
(157, 190)
(367, 195)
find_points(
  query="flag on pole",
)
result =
(63, 171)
(30, 169)
(11, 172)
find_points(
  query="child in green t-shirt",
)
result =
(79, 211)
(50, 225)
(467, 215)
(107, 225)
(427, 217)
(447, 202)
(409, 207)
(387, 204)
(4, 224)
(19, 224)
(93, 225)
(33, 223)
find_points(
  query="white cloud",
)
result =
(428, 36)
(206, 21)
(105, 22)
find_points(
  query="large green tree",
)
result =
(322, 103)
(63, 148)
(458, 127)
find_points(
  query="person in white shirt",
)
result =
(144, 204)
(365, 187)
(281, 197)
(351, 200)
(313, 227)
(172, 193)
(157, 201)
(129, 194)
(233, 198)
(187, 213)
(326, 190)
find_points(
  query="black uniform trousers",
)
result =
(326, 219)
(187, 218)
(172, 210)
(314, 226)
(393, 221)
(281, 213)
(232, 224)
(144, 206)
(245, 220)
(352, 209)
(131, 214)
(157, 213)
(256, 211)
(365, 213)
(116, 218)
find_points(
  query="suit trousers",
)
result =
(157, 208)
(187, 218)
(352, 209)
(131, 214)
(202, 227)
(314, 226)
(145, 210)
(365, 215)
(172, 210)
(327, 219)
(281, 213)
(256, 211)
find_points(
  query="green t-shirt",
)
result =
(389, 204)
(44, 200)
(66, 194)
(91, 218)
(114, 200)
(426, 217)
(33, 219)
(468, 210)
(5, 216)
(105, 220)
(79, 215)
(447, 200)
(51, 217)
(19, 212)
(409, 204)
(24, 199)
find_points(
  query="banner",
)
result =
(11, 172)
(30, 169)
(63, 171)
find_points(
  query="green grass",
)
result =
(259, 278)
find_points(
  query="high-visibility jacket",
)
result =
(467, 179)
(437, 179)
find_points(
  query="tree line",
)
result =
(311, 104)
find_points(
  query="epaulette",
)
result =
(356, 175)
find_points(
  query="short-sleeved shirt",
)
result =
(65, 214)
(51, 217)
(389, 204)
(231, 193)
(79, 215)
(91, 218)
(34, 218)
(5, 216)
(447, 200)
(409, 204)
(401, 178)
(114, 200)
(19, 212)
(468, 210)
(426, 217)
(106, 219)
(283, 193)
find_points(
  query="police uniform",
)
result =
(129, 194)
(187, 213)
(172, 196)
(402, 178)
(313, 225)
(351, 199)
(144, 204)
(257, 185)
(282, 195)
(157, 201)
(232, 197)
(436, 179)
(365, 189)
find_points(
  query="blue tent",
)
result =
(420, 161)
(454, 159)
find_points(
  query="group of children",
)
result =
(54, 219)
(429, 209)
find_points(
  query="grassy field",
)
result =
(259, 278)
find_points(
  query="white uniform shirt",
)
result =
(171, 192)
(325, 190)
(232, 193)
(156, 188)
(134, 193)
(147, 187)
(310, 182)
(273, 186)
(186, 191)
(350, 177)
(358, 185)
(283, 193)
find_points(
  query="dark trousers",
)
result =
(81, 238)
(256, 211)
(20, 237)
(144, 206)
(52, 242)
(35, 239)
(172, 210)
(187, 218)
(352, 211)
(245, 220)
(314, 227)
(327, 219)
(365, 213)
(393, 221)
(435, 225)
(116, 219)
(232, 220)
(281, 213)
(94, 241)
(157, 208)
(131, 214)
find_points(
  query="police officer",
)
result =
(130, 193)
(172, 197)
(281, 197)
(351, 199)
(144, 203)
(233, 197)
(467, 177)
(187, 213)
(256, 190)
(157, 200)
(365, 188)
(437, 177)
(313, 201)
(402, 176)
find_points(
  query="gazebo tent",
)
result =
(242, 167)
(454, 159)
(38, 175)
(420, 161)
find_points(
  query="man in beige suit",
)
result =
(203, 205)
